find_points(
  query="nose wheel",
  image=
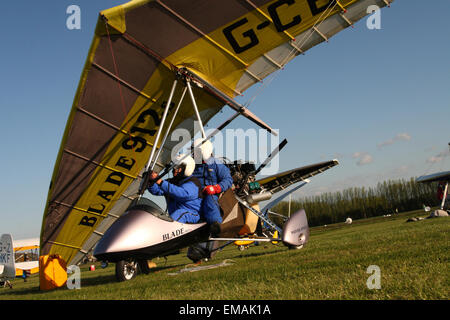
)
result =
(126, 270)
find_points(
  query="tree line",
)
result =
(388, 197)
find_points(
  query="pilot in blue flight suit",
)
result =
(214, 178)
(183, 192)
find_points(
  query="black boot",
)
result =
(214, 228)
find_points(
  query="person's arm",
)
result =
(187, 191)
(155, 190)
(223, 178)
(225, 181)
(153, 186)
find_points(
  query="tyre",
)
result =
(144, 266)
(126, 270)
(197, 252)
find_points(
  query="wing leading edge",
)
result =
(439, 176)
(283, 180)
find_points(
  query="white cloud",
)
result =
(403, 136)
(434, 159)
(363, 158)
(398, 137)
(439, 157)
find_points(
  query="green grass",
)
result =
(413, 259)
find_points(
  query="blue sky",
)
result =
(377, 100)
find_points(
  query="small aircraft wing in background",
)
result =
(435, 177)
(26, 244)
(31, 267)
(443, 178)
(283, 180)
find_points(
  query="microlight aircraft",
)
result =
(146, 56)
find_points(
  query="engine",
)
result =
(243, 174)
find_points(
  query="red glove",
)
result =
(212, 189)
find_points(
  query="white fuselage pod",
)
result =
(141, 234)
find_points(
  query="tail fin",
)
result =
(296, 230)
(7, 260)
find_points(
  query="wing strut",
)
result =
(151, 164)
(153, 159)
(259, 214)
(171, 123)
(188, 84)
(212, 134)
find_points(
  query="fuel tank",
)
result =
(145, 231)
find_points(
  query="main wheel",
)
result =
(144, 266)
(126, 270)
(197, 252)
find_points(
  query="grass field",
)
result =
(413, 259)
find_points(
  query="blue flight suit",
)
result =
(183, 200)
(212, 172)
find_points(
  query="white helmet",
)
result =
(188, 162)
(206, 148)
